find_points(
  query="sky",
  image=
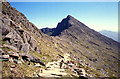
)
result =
(96, 15)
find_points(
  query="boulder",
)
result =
(19, 62)
(5, 23)
(10, 35)
(10, 47)
(20, 30)
(82, 77)
(13, 66)
(25, 56)
(26, 37)
(14, 39)
(29, 57)
(25, 47)
(32, 42)
(14, 55)
(5, 30)
(37, 65)
(5, 56)
(36, 60)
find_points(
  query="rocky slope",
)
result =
(95, 50)
(25, 50)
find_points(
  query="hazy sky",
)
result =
(96, 15)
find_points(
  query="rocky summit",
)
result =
(71, 50)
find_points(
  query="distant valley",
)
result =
(110, 34)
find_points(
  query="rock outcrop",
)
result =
(17, 30)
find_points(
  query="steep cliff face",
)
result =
(24, 47)
(17, 30)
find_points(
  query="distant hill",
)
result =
(110, 34)
(47, 30)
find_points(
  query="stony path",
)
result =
(53, 69)
(56, 69)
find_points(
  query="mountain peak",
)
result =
(69, 17)
(66, 23)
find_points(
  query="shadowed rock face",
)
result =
(48, 31)
(63, 25)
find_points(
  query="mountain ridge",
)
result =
(79, 35)
(69, 21)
